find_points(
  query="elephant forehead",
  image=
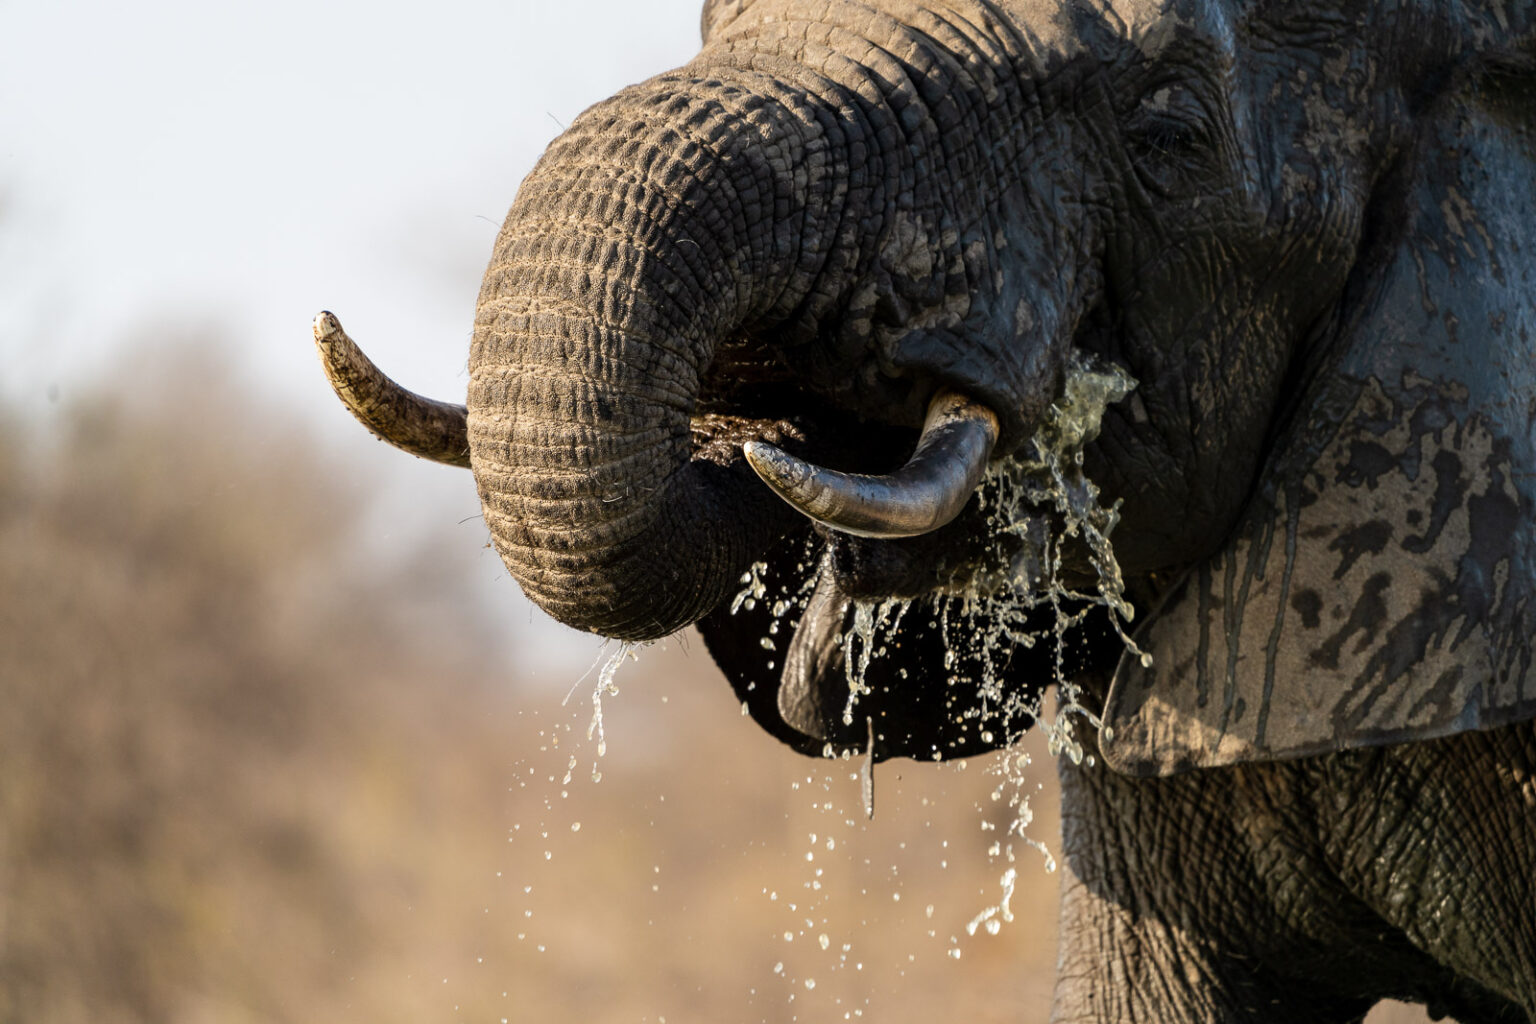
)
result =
(1063, 29)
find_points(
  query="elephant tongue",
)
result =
(812, 691)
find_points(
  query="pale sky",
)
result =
(254, 163)
(246, 165)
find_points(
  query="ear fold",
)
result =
(1382, 585)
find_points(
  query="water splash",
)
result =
(993, 917)
(1048, 547)
(1047, 565)
(754, 589)
(605, 686)
(864, 641)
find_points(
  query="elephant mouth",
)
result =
(928, 643)
(894, 512)
(840, 645)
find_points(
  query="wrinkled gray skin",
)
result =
(1306, 228)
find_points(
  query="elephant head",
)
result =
(1304, 230)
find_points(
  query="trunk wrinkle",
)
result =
(646, 234)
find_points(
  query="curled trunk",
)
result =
(805, 203)
(660, 223)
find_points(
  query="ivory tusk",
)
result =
(929, 491)
(421, 426)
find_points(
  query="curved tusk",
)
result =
(921, 496)
(432, 430)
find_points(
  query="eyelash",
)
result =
(1166, 135)
(1166, 146)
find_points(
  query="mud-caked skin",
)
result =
(1305, 890)
(1306, 228)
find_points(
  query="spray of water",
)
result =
(1048, 550)
(1043, 519)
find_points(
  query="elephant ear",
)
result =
(1381, 586)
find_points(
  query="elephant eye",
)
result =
(1168, 137)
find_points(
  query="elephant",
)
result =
(762, 336)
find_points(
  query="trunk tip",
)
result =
(326, 326)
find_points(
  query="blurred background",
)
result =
(280, 739)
